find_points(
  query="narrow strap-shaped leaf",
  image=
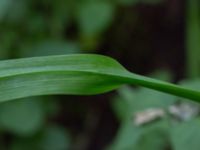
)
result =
(83, 74)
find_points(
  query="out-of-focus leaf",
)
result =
(155, 137)
(186, 135)
(121, 108)
(127, 135)
(134, 100)
(22, 117)
(193, 38)
(51, 138)
(50, 47)
(19, 11)
(4, 7)
(153, 100)
(131, 137)
(94, 17)
(60, 18)
(54, 138)
(36, 25)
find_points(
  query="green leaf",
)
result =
(50, 47)
(150, 137)
(20, 10)
(55, 138)
(131, 101)
(76, 75)
(193, 37)
(154, 139)
(23, 117)
(94, 17)
(4, 7)
(127, 136)
(186, 135)
(150, 99)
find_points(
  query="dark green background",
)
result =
(158, 38)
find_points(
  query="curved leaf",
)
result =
(82, 74)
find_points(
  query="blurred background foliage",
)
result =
(158, 38)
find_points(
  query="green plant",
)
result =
(192, 38)
(74, 74)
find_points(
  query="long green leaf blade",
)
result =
(80, 74)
